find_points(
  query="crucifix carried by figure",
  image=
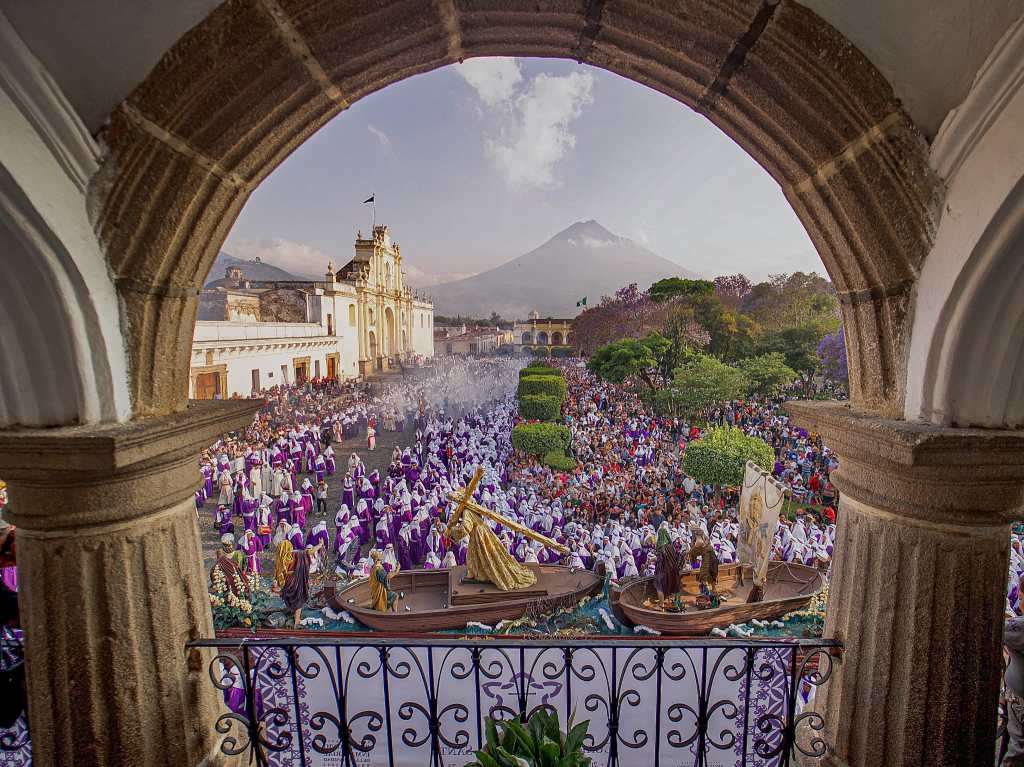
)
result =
(487, 559)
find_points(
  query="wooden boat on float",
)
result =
(434, 600)
(789, 587)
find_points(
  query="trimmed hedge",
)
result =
(557, 459)
(553, 386)
(540, 438)
(538, 364)
(718, 458)
(539, 370)
(540, 407)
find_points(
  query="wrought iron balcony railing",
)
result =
(368, 701)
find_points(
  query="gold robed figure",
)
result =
(382, 597)
(487, 558)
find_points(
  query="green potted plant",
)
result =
(538, 743)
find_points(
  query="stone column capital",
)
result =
(945, 475)
(82, 477)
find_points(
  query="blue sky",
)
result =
(478, 163)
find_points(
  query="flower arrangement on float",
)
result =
(243, 604)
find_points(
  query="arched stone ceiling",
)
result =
(929, 50)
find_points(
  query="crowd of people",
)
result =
(627, 485)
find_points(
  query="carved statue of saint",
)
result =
(707, 577)
(666, 567)
(383, 598)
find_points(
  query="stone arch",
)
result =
(527, 338)
(542, 338)
(390, 332)
(781, 82)
(58, 366)
(556, 338)
(966, 361)
(374, 351)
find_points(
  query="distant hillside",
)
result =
(252, 270)
(583, 260)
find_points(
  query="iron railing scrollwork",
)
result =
(368, 700)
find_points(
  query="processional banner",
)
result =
(761, 501)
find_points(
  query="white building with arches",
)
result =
(253, 334)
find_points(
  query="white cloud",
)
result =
(417, 278)
(382, 137)
(311, 263)
(534, 118)
(494, 79)
(539, 136)
(298, 258)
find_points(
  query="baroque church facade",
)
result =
(362, 318)
(392, 320)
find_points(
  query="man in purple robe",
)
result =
(222, 517)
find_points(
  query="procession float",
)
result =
(491, 587)
(788, 588)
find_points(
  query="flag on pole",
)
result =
(582, 301)
(369, 199)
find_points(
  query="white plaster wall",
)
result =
(347, 336)
(61, 333)
(964, 364)
(423, 330)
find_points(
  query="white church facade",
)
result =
(253, 335)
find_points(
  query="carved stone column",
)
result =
(112, 587)
(918, 586)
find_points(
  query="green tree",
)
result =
(719, 457)
(662, 290)
(766, 373)
(798, 346)
(703, 382)
(631, 358)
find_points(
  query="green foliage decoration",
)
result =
(557, 459)
(538, 743)
(719, 456)
(540, 407)
(540, 438)
(553, 386)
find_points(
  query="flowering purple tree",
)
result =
(630, 313)
(832, 353)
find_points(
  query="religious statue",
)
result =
(291, 575)
(487, 558)
(228, 567)
(666, 567)
(707, 576)
(380, 585)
